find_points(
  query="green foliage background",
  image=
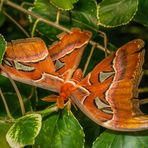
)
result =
(121, 20)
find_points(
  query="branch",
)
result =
(88, 59)
(11, 4)
(48, 110)
(17, 24)
(144, 101)
(145, 72)
(5, 104)
(46, 21)
(16, 90)
(143, 90)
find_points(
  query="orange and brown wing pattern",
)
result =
(68, 51)
(97, 82)
(112, 88)
(25, 54)
(27, 60)
(123, 92)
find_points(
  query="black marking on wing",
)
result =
(8, 63)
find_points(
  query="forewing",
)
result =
(28, 61)
(68, 51)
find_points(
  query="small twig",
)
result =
(99, 46)
(34, 27)
(143, 90)
(48, 110)
(58, 16)
(11, 4)
(30, 95)
(32, 92)
(88, 60)
(105, 41)
(26, 3)
(144, 101)
(36, 95)
(1, 4)
(16, 90)
(5, 105)
(17, 24)
(46, 21)
(145, 72)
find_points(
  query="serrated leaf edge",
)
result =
(5, 45)
(62, 8)
(11, 141)
(80, 127)
(108, 26)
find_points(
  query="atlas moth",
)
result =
(108, 94)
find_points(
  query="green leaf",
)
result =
(113, 13)
(142, 14)
(46, 10)
(24, 89)
(24, 130)
(91, 129)
(60, 130)
(64, 4)
(3, 45)
(13, 104)
(84, 15)
(122, 140)
(4, 127)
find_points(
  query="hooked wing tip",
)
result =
(140, 42)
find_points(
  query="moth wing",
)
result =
(68, 51)
(112, 100)
(28, 61)
(122, 94)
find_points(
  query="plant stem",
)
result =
(143, 90)
(48, 110)
(99, 46)
(5, 105)
(34, 27)
(145, 72)
(16, 90)
(144, 101)
(88, 60)
(26, 3)
(105, 41)
(17, 24)
(1, 4)
(11, 4)
(58, 17)
(53, 24)
(32, 92)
